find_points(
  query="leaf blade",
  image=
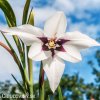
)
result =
(31, 17)
(10, 17)
(19, 85)
(25, 12)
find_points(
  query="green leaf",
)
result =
(48, 98)
(19, 85)
(8, 43)
(60, 93)
(8, 11)
(25, 12)
(10, 17)
(31, 17)
(11, 21)
(18, 61)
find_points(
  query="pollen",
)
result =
(51, 43)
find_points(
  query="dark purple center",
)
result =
(58, 45)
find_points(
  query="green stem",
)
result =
(60, 93)
(30, 77)
(41, 83)
(26, 76)
(30, 71)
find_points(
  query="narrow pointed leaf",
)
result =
(10, 17)
(31, 17)
(19, 85)
(18, 61)
(41, 83)
(8, 11)
(8, 42)
(25, 12)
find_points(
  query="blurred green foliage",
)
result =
(73, 88)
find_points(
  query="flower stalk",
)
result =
(30, 67)
(41, 82)
(30, 72)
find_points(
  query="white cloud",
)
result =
(41, 15)
(79, 5)
(65, 5)
(85, 28)
(87, 4)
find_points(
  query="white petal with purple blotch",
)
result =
(72, 54)
(79, 40)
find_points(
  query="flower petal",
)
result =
(26, 37)
(35, 49)
(72, 54)
(42, 56)
(54, 68)
(31, 29)
(55, 25)
(81, 41)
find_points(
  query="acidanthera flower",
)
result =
(53, 45)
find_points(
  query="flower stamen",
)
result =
(51, 44)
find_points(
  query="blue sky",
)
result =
(82, 15)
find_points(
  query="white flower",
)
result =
(53, 45)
